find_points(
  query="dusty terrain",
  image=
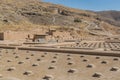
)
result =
(16, 15)
(85, 45)
(112, 17)
(33, 65)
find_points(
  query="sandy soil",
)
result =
(35, 65)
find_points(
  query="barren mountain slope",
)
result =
(112, 17)
(31, 14)
(36, 12)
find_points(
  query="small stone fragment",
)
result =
(51, 67)
(104, 62)
(11, 69)
(28, 73)
(21, 62)
(114, 69)
(71, 71)
(35, 64)
(97, 75)
(47, 77)
(90, 66)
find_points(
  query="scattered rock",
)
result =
(97, 57)
(21, 62)
(55, 57)
(14, 53)
(82, 56)
(47, 77)
(52, 67)
(43, 56)
(11, 69)
(16, 56)
(27, 58)
(28, 73)
(97, 75)
(70, 63)
(85, 60)
(35, 64)
(9, 60)
(104, 62)
(90, 66)
(69, 58)
(115, 59)
(38, 59)
(114, 69)
(53, 61)
(68, 55)
(32, 54)
(71, 71)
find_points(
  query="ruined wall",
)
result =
(19, 35)
(11, 35)
(1, 36)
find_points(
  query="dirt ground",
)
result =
(36, 65)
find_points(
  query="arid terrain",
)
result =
(16, 15)
(45, 41)
(36, 65)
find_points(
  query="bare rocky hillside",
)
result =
(112, 17)
(31, 14)
(36, 12)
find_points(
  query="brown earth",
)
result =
(36, 65)
(16, 15)
(112, 17)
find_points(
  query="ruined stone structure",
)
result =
(20, 35)
(13, 35)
